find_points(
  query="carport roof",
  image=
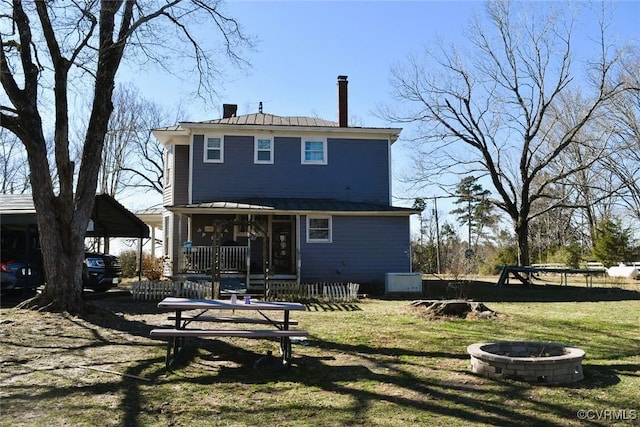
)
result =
(110, 218)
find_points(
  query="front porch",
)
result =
(238, 249)
(234, 267)
(201, 259)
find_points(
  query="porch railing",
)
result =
(199, 259)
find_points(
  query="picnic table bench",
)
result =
(176, 336)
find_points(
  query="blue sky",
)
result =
(304, 45)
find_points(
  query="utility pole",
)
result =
(469, 212)
(435, 210)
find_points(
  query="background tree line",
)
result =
(554, 136)
(560, 236)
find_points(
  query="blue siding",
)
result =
(363, 249)
(181, 174)
(357, 170)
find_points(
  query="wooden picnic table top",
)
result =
(173, 303)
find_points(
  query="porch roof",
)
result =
(268, 205)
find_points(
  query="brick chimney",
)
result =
(343, 114)
(229, 110)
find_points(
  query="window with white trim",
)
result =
(318, 229)
(168, 165)
(314, 151)
(166, 234)
(214, 149)
(263, 151)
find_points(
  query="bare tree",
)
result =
(78, 47)
(132, 159)
(623, 118)
(14, 173)
(495, 110)
(123, 125)
(144, 168)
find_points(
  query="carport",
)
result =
(108, 219)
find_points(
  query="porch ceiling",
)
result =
(263, 205)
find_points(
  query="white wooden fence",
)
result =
(153, 290)
(330, 292)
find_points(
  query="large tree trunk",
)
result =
(522, 235)
(62, 223)
(63, 268)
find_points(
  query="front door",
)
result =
(283, 244)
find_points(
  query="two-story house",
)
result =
(307, 199)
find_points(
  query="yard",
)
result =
(374, 363)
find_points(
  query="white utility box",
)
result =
(403, 282)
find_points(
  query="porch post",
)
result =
(153, 242)
(248, 258)
(298, 257)
(215, 264)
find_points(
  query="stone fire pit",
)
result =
(531, 361)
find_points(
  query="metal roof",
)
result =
(12, 204)
(271, 120)
(110, 218)
(290, 205)
(179, 134)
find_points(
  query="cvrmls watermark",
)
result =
(607, 414)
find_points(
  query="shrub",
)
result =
(129, 262)
(612, 243)
(151, 267)
(505, 255)
(567, 255)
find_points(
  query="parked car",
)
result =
(21, 259)
(100, 272)
(22, 269)
(15, 275)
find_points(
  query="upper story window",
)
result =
(319, 229)
(263, 151)
(214, 149)
(314, 151)
(168, 165)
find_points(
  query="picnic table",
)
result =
(275, 316)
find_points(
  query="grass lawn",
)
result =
(373, 363)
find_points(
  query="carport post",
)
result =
(139, 259)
